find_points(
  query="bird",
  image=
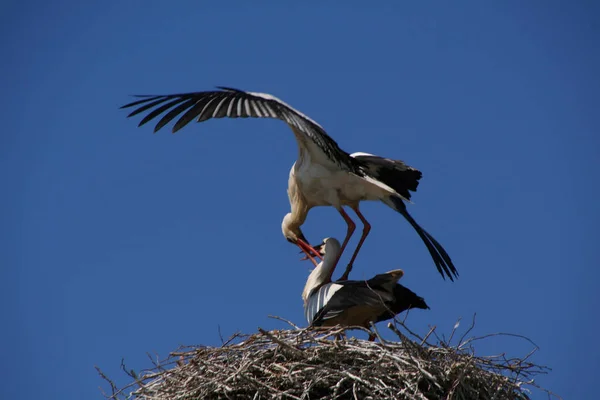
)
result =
(323, 174)
(354, 303)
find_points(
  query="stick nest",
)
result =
(320, 364)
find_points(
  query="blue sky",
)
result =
(117, 242)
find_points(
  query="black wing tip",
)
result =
(440, 257)
(139, 96)
(451, 272)
(129, 105)
(444, 268)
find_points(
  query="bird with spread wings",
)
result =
(323, 174)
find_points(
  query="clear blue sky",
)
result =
(117, 242)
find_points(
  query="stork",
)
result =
(323, 174)
(354, 303)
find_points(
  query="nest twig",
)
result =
(322, 364)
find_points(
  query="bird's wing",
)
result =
(394, 173)
(234, 103)
(350, 294)
(318, 298)
(386, 280)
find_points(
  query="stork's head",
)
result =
(329, 248)
(291, 229)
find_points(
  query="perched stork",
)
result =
(323, 175)
(354, 303)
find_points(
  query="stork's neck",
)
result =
(323, 271)
(298, 204)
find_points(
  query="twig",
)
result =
(220, 335)
(408, 329)
(286, 321)
(462, 338)
(113, 387)
(424, 341)
(131, 373)
(294, 350)
(476, 338)
(374, 329)
(456, 325)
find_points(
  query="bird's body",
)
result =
(360, 303)
(322, 186)
(323, 175)
(354, 303)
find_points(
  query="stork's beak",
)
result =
(318, 248)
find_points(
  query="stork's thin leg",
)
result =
(366, 230)
(349, 232)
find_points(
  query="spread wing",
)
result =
(234, 103)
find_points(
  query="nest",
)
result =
(323, 364)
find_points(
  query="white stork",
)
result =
(323, 175)
(354, 303)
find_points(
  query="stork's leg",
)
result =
(349, 232)
(366, 230)
(308, 249)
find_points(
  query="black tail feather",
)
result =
(440, 257)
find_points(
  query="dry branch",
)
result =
(309, 364)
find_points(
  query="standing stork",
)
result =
(323, 175)
(354, 303)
